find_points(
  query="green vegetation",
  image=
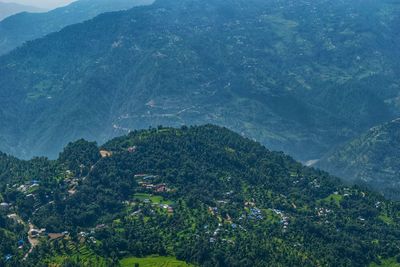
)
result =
(153, 198)
(371, 160)
(335, 198)
(154, 261)
(206, 206)
(298, 76)
(392, 262)
(68, 253)
(386, 219)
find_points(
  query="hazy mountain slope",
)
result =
(299, 76)
(8, 9)
(16, 30)
(201, 194)
(372, 159)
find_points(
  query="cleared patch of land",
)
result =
(154, 261)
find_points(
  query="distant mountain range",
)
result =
(8, 9)
(372, 159)
(298, 76)
(17, 29)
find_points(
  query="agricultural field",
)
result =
(154, 261)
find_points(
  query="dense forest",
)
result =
(202, 195)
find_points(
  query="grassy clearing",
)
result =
(154, 261)
(391, 262)
(386, 219)
(335, 198)
(153, 198)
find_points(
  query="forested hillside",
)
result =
(202, 195)
(23, 27)
(371, 159)
(298, 76)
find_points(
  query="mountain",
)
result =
(17, 29)
(8, 9)
(202, 195)
(298, 76)
(372, 159)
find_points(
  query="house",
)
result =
(55, 236)
(13, 217)
(105, 153)
(170, 210)
(4, 206)
(83, 234)
(132, 149)
(8, 257)
(34, 185)
(101, 226)
(161, 188)
(141, 175)
(136, 212)
(249, 204)
(35, 233)
(23, 188)
(149, 186)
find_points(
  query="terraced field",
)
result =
(81, 254)
(154, 261)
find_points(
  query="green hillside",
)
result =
(371, 159)
(202, 195)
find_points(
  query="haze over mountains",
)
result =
(17, 29)
(8, 9)
(300, 76)
(372, 159)
(49, 4)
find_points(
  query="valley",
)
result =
(207, 133)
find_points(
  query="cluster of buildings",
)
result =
(147, 181)
(322, 212)
(157, 188)
(72, 185)
(255, 213)
(37, 233)
(29, 186)
(284, 219)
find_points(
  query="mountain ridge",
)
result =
(20, 28)
(370, 159)
(8, 9)
(122, 76)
